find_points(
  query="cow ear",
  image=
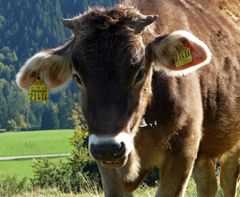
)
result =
(53, 67)
(179, 53)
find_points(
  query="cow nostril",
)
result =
(95, 151)
(123, 147)
(121, 151)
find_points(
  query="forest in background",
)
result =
(26, 27)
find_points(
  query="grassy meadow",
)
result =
(142, 191)
(35, 142)
(31, 143)
(21, 168)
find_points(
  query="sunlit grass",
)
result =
(142, 191)
(31, 143)
(21, 168)
(35, 142)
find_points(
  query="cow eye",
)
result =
(77, 79)
(140, 75)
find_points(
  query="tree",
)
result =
(49, 118)
(65, 108)
(25, 28)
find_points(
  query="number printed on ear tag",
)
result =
(38, 91)
(183, 57)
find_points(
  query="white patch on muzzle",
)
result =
(126, 138)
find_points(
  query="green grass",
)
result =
(35, 142)
(142, 191)
(31, 143)
(20, 168)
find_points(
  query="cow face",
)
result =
(112, 66)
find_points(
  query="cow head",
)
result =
(111, 57)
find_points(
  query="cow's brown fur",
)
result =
(200, 108)
(174, 98)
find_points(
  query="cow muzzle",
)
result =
(111, 151)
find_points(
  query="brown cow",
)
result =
(128, 67)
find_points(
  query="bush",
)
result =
(49, 174)
(10, 185)
(78, 173)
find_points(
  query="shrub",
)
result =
(75, 174)
(10, 185)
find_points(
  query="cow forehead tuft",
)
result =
(102, 18)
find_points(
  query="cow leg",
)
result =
(174, 175)
(131, 186)
(112, 185)
(230, 173)
(205, 177)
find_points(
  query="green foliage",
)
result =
(49, 117)
(12, 113)
(51, 174)
(65, 107)
(30, 25)
(73, 175)
(10, 185)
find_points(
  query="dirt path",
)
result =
(33, 156)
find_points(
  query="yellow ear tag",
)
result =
(183, 57)
(38, 91)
